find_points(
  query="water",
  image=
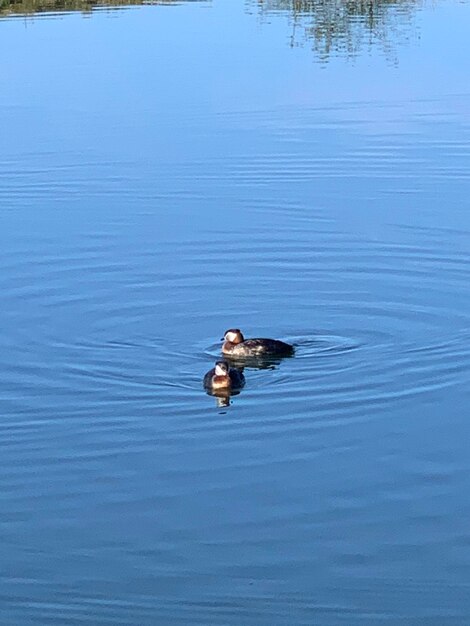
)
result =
(167, 172)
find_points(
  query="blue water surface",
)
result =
(296, 169)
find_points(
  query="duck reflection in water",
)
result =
(253, 363)
(223, 381)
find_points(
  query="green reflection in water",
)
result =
(9, 8)
(345, 26)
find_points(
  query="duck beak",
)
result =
(222, 338)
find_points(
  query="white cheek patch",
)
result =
(230, 337)
(219, 371)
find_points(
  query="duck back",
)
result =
(262, 347)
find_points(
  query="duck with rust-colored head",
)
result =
(236, 346)
(224, 378)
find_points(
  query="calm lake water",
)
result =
(299, 170)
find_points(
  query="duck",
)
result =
(235, 345)
(224, 378)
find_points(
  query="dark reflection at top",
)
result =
(345, 27)
(12, 8)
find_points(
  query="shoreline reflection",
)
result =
(29, 8)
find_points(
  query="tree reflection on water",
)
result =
(330, 27)
(345, 26)
(10, 8)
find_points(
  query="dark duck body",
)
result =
(236, 346)
(224, 378)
